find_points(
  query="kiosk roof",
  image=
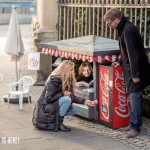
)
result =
(87, 45)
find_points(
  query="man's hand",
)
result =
(136, 80)
(115, 64)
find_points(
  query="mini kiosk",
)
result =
(109, 89)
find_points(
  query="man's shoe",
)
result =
(132, 134)
(125, 129)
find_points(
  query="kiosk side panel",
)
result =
(104, 94)
(121, 103)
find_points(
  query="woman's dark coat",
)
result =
(46, 111)
(133, 57)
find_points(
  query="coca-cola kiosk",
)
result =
(108, 89)
(113, 101)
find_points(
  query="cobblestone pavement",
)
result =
(141, 142)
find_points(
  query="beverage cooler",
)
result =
(113, 103)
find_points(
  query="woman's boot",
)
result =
(61, 127)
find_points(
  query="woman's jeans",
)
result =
(136, 110)
(65, 107)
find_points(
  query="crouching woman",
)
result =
(56, 99)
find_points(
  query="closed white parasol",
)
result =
(14, 44)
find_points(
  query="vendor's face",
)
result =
(86, 71)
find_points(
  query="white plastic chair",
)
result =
(25, 82)
(1, 77)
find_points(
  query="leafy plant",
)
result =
(147, 91)
(80, 17)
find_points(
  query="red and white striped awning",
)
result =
(58, 53)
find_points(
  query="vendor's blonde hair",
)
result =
(84, 64)
(64, 72)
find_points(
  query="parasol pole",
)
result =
(16, 70)
(16, 67)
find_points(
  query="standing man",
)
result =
(135, 65)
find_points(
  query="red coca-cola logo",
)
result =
(104, 84)
(33, 62)
(122, 108)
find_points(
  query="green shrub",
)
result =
(147, 91)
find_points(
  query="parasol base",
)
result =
(15, 100)
(39, 83)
